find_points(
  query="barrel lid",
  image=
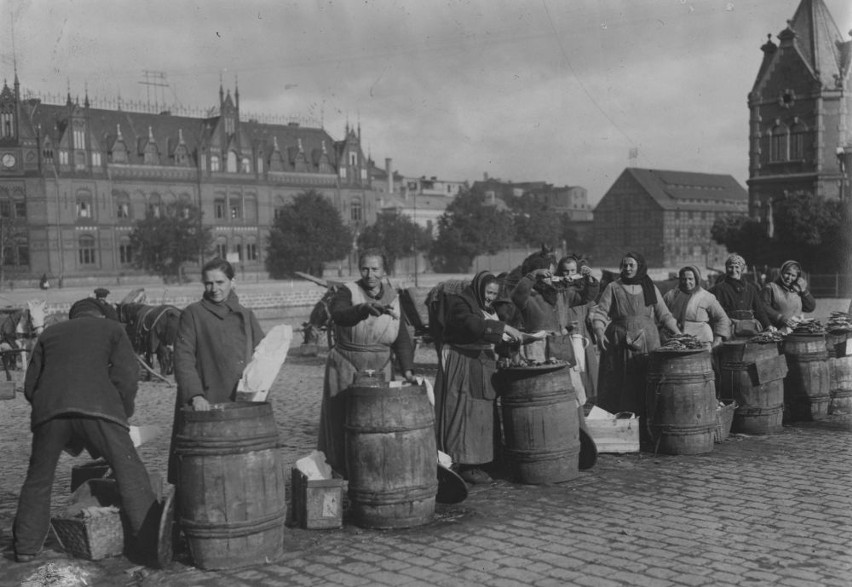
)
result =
(165, 535)
(451, 487)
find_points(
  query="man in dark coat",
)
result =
(81, 382)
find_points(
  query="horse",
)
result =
(153, 332)
(20, 328)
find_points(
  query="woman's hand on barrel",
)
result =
(200, 404)
(409, 376)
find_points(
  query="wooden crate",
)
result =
(619, 434)
(317, 503)
(7, 389)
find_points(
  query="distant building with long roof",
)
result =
(666, 216)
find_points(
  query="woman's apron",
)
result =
(631, 336)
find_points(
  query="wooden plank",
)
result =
(768, 370)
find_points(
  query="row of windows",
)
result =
(787, 144)
(87, 251)
(247, 252)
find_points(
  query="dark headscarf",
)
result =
(648, 289)
(478, 285)
(786, 265)
(697, 275)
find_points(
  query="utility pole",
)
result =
(415, 239)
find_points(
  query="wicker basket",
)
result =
(91, 538)
(724, 419)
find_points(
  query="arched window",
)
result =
(778, 137)
(798, 135)
(122, 205)
(155, 205)
(84, 204)
(119, 152)
(278, 208)
(86, 249)
(232, 162)
(250, 208)
(222, 247)
(125, 251)
(237, 248)
(214, 162)
(184, 205)
(251, 250)
(245, 165)
(235, 207)
(151, 156)
(356, 214)
(181, 156)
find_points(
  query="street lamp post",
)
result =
(415, 239)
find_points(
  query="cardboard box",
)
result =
(317, 503)
(614, 433)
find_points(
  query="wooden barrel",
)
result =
(391, 454)
(806, 387)
(753, 375)
(540, 423)
(230, 486)
(681, 402)
(840, 373)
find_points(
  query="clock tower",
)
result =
(10, 152)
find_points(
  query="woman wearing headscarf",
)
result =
(740, 299)
(787, 298)
(464, 394)
(577, 281)
(696, 310)
(625, 325)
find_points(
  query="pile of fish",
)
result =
(683, 342)
(809, 326)
(839, 322)
(767, 337)
(518, 362)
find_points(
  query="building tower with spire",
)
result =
(800, 124)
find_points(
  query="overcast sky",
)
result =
(551, 90)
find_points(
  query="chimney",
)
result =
(389, 171)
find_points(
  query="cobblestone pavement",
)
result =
(772, 510)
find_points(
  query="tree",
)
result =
(536, 222)
(307, 233)
(744, 235)
(163, 243)
(469, 228)
(807, 228)
(396, 235)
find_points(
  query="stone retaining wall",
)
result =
(254, 300)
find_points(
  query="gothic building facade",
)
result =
(801, 112)
(75, 179)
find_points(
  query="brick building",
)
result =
(800, 136)
(665, 216)
(74, 179)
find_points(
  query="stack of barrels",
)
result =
(753, 374)
(681, 401)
